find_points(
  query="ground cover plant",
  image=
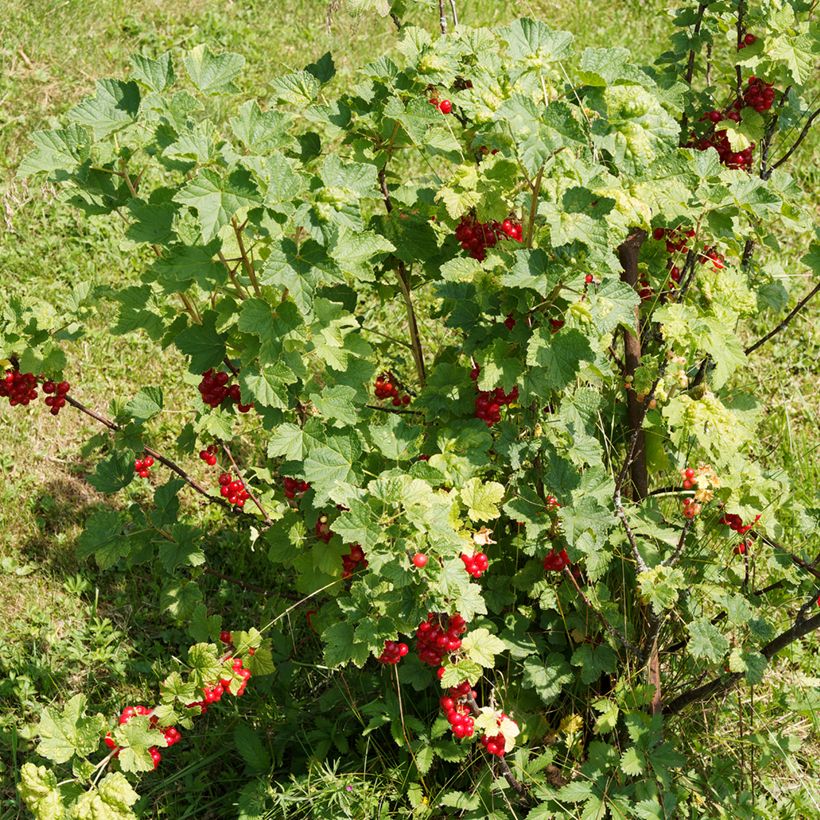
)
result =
(459, 349)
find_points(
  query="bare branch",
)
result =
(803, 134)
(798, 307)
(722, 684)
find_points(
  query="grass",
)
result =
(70, 627)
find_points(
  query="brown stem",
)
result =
(690, 67)
(798, 307)
(171, 465)
(536, 190)
(724, 683)
(803, 134)
(514, 782)
(255, 500)
(442, 17)
(628, 253)
(240, 291)
(741, 31)
(622, 639)
(455, 13)
(404, 286)
(675, 556)
(247, 265)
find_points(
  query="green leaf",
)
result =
(481, 647)
(482, 499)
(299, 88)
(61, 150)
(594, 661)
(111, 799)
(184, 550)
(547, 678)
(536, 45)
(146, 404)
(396, 438)
(202, 343)
(39, 791)
(68, 732)
(216, 199)
(706, 641)
(212, 73)
(531, 269)
(251, 748)
(114, 106)
(287, 440)
(113, 473)
(558, 356)
(156, 74)
(632, 762)
(103, 538)
(750, 663)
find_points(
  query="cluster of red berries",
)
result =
(445, 106)
(488, 403)
(208, 455)
(19, 388)
(214, 389)
(556, 561)
(458, 712)
(56, 391)
(742, 547)
(385, 388)
(171, 733)
(735, 522)
(294, 487)
(233, 490)
(142, 466)
(475, 237)
(435, 638)
(476, 565)
(353, 560)
(758, 94)
(677, 241)
(495, 744)
(552, 503)
(393, 652)
(748, 40)
(509, 322)
(556, 324)
(691, 508)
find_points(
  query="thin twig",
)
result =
(255, 500)
(800, 138)
(455, 13)
(724, 683)
(171, 465)
(619, 511)
(798, 307)
(622, 639)
(442, 17)
(404, 286)
(675, 556)
(247, 265)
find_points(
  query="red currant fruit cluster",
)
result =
(552, 503)
(213, 693)
(735, 522)
(385, 388)
(711, 255)
(294, 487)
(19, 388)
(457, 710)
(556, 324)
(691, 508)
(233, 490)
(742, 548)
(748, 40)
(393, 652)
(142, 466)
(171, 733)
(476, 564)
(57, 393)
(434, 638)
(214, 389)
(758, 94)
(475, 237)
(488, 403)
(353, 560)
(495, 744)
(509, 322)
(208, 455)
(556, 561)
